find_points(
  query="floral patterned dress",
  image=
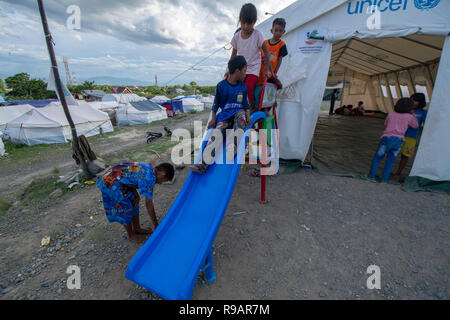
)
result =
(117, 185)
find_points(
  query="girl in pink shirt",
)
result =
(392, 139)
(248, 42)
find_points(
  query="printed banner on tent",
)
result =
(308, 45)
(52, 87)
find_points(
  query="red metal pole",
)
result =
(263, 136)
(263, 144)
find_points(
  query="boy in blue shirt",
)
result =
(232, 98)
(411, 136)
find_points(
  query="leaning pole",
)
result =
(75, 140)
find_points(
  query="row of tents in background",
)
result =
(44, 122)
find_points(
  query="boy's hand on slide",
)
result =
(212, 124)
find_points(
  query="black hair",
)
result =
(248, 13)
(168, 170)
(235, 63)
(404, 105)
(360, 103)
(420, 98)
(280, 22)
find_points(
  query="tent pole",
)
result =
(412, 81)
(49, 40)
(397, 85)
(388, 89)
(380, 93)
(431, 76)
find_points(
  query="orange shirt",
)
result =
(276, 51)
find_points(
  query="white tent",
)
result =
(2, 146)
(208, 101)
(159, 99)
(104, 105)
(190, 104)
(141, 112)
(7, 114)
(122, 98)
(396, 43)
(49, 125)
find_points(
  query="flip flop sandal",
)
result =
(255, 173)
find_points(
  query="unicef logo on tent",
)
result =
(426, 4)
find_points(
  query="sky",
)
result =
(124, 39)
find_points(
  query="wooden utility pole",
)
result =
(75, 141)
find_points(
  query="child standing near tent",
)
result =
(392, 139)
(231, 98)
(248, 42)
(411, 136)
(121, 186)
(277, 51)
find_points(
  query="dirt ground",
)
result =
(315, 238)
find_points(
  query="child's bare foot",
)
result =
(195, 169)
(143, 231)
(137, 239)
(199, 168)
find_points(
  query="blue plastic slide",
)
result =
(169, 263)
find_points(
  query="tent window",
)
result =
(384, 90)
(393, 91)
(423, 89)
(405, 91)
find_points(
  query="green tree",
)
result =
(23, 87)
(2, 86)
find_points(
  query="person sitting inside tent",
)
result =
(231, 98)
(359, 110)
(345, 110)
(121, 186)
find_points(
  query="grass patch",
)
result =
(22, 152)
(4, 207)
(37, 193)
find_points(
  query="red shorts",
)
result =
(250, 81)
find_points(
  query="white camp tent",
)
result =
(140, 112)
(104, 105)
(207, 101)
(49, 125)
(394, 43)
(190, 104)
(159, 99)
(122, 98)
(2, 146)
(7, 114)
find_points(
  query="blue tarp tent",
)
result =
(34, 103)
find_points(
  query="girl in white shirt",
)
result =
(248, 42)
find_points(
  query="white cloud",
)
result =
(129, 38)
